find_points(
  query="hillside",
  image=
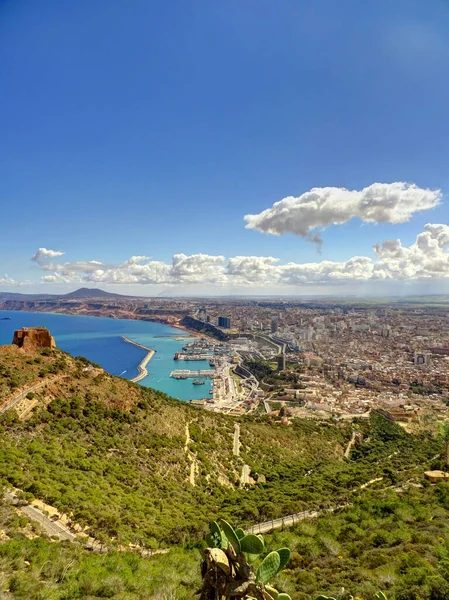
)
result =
(130, 465)
(90, 434)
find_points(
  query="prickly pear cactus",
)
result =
(234, 566)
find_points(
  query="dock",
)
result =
(142, 366)
(185, 373)
(187, 356)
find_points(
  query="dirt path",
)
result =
(191, 457)
(350, 444)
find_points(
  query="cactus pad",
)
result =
(229, 532)
(269, 567)
(252, 544)
(272, 591)
(284, 555)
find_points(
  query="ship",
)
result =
(176, 356)
(198, 382)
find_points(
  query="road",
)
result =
(11, 403)
(56, 529)
(51, 527)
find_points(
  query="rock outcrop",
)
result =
(31, 338)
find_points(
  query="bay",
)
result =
(99, 340)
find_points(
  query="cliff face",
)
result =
(31, 338)
(202, 327)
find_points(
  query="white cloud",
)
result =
(5, 280)
(198, 268)
(321, 207)
(245, 270)
(427, 258)
(42, 254)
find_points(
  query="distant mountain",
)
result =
(92, 293)
(82, 293)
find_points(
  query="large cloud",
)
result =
(321, 207)
(427, 258)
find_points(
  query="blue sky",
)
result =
(153, 128)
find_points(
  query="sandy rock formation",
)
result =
(31, 338)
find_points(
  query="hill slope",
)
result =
(129, 462)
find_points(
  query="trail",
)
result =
(236, 447)
(350, 444)
(191, 457)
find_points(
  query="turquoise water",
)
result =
(98, 339)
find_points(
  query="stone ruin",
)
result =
(32, 338)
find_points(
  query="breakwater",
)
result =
(142, 366)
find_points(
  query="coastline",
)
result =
(100, 341)
(141, 367)
(124, 317)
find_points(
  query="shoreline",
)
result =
(159, 320)
(141, 367)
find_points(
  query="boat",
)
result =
(198, 382)
(5, 318)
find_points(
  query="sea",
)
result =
(99, 340)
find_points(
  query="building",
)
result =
(280, 359)
(422, 358)
(224, 322)
(274, 325)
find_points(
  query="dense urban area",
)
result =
(319, 359)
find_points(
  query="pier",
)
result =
(187, 356)
(142, 366)
(185, 374)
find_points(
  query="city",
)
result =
(317, 359)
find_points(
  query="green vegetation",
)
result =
(396, 541)
(116, 458)
(17, 369)
(266, 373)
(35, 568)
(112, 456)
